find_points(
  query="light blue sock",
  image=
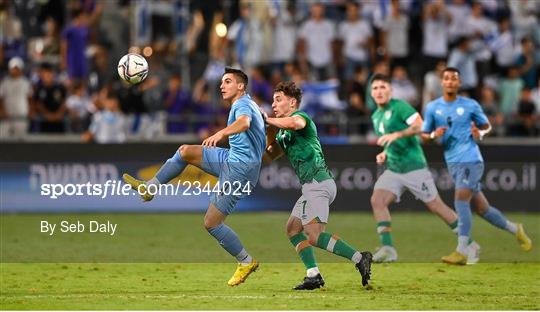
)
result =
(495, 217)
(171, 168)
(463, 210)
(228, 239)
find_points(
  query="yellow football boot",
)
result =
(139, 186)
(524, 240)
(455, 258)
(242, 272)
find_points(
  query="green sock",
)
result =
(453, 226)
(304, 249)
(337, 246)
(384, 229)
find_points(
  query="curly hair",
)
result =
(290, 89)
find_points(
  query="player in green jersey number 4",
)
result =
(397, 123)
(297, 139)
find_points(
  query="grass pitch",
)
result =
(507, 278)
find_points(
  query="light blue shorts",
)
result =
(467, 175)
(236, 179)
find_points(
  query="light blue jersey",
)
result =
(247, 146)
(457, 116)
(240, 164)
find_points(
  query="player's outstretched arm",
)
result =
(240, 125)
(287, 123)
(414, 129)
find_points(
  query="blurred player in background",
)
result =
(297, 139)
(240, 163)
(459, 121)
(397, 123)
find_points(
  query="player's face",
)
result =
(381, 92)
(230, 88)
(283, 105)
(450, 82)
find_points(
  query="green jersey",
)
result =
(304, 151)
(404, 154)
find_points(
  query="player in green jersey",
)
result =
(397, 124)
(297, 139)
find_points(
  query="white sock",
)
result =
(511, 226)
(463, 242)
(243, 257)
(312, 272)
(356, 257)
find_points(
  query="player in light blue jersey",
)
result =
(237, 167)
(458, 121)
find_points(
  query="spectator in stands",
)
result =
(459, 12)
(479, 28)
(524, 17)
(245, 33)
(79, 106)
(463, 58)
(432, 83)
(285, 34)
(263, 104)
(203, 110)
(503, 46)
(402, 86)
(358, 113)
(47, 48)
(15, 96)
(510, 90)
(260, 85)
(357, 37)
(436, 19)
(527, 116)
(527, 63)
(316, 37)
(177, 102)
(360, 79)
(491, 108)
(49, 98)
(12, 39)
(73, 47)
(109, 124)
(395, 35)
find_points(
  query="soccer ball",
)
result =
(133, 68)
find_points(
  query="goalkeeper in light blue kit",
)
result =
(458, 121)
(237, 166)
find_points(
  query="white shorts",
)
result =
(419, 182)
(314, 204)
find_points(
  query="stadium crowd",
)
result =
(58, 61)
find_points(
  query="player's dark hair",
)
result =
(46, 66)
(461, 40)
(381, 77)
(354, 3)
(76, 13)
(240, 75)
(452, 70)
(290, 89)
(525, 40)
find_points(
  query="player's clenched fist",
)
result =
(439, 132)
(380, 158)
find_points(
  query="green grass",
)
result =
(82, 276)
